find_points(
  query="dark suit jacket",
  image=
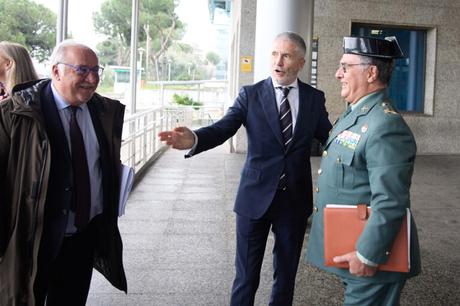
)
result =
(256, 109)
(107, 123)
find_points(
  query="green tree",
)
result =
(158, 23)
(28, 23)
(213, 58)
(108, 53)
(186, 64)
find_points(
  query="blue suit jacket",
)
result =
(256, 109)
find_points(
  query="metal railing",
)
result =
(139, 141)
(140, 144)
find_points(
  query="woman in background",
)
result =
(15, 67)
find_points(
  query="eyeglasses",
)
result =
(345, 66)
(83, 70)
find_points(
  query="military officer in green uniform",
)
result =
(368, 158)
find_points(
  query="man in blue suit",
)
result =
(275, 189)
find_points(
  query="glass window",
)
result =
(87, 24)
(407, 87)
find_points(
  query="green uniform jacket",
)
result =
(368, 158)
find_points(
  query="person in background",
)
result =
(281, 115)
(16, 67)
(59, 184)
(368, 158)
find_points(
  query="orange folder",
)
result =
(343, 224)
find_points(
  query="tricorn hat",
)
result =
(387, 48)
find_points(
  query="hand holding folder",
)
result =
(343, 224)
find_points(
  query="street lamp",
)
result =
(169, 69)
(141, 52)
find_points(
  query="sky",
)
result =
(194, 13)
(199, 28)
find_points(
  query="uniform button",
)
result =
(387, 253)
(64, 212)
(67, 189)
(320, 171)
(315, 209)
(339, 160)
(324, 153)
(316, 189)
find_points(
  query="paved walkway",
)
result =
(179, 237)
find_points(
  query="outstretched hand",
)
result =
(180, 138)
(356, 266)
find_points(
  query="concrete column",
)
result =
(274, 17)
(242, 45)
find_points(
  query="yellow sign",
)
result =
(246, 63)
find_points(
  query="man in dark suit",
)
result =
(275, 189)
(59, 184)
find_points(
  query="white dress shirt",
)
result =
(293, 98)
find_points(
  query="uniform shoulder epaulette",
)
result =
(388, 108)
